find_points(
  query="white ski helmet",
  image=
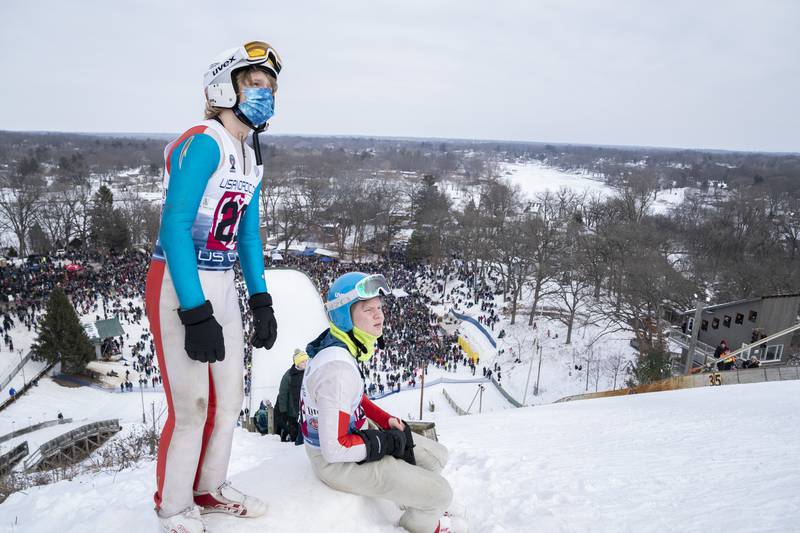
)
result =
(218, 80)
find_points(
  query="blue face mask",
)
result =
(258, 105)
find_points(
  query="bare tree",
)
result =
(138, 214)
(316, 193)
(644, 282)
(18, 209)
(574, 283)
(613, 365)
(498, 209)
(544, 249)
(274, 191)
(636, 193)
(390, 213)
(53, 219)
(79, 208)
(291, 219)
(363, 212)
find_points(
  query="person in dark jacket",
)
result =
(288, 404)
(261, 419)
(753, 362)
(721, 348)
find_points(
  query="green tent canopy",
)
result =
(103, 329)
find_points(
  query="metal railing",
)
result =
(14, 371)
(24, 389)
(432, 383)
(47, 424)
(9, 459)
(53, 446)
(684, 340)
(505, 393)
(453, 404)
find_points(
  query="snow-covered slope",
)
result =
(300, 316)
(714, 459)
(722, 458)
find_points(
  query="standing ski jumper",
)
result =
(210, 218)
(334, 411)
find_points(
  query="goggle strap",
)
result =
(342, 300)
(353, 294)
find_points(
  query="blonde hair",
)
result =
(240, 77)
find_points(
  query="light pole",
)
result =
(538, 373)
(421, 389)
(530, 369)
(141, 391)
(24, 381)
(698, 317)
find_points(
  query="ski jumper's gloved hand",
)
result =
(382, 442)
(265, 329)
(204, 341)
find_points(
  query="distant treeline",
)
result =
(76, 155)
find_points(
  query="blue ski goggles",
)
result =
(369, 287)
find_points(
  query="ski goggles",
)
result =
(259, 52)
(369, 287)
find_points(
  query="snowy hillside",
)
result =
(714, 459)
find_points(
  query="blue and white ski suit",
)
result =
(210, 217)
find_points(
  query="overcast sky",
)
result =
(700, 74)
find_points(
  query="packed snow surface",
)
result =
(712, 459)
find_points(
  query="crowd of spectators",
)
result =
(99, 287)
(414, 338)
(107, 286)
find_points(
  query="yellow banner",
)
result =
(472, 354)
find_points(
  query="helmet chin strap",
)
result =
(256, 144)
(256, 130)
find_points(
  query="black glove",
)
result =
(408, 451)
(395, 443)
(381, 442)
(265, 329)
(204, 341)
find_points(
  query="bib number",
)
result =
(225, 224)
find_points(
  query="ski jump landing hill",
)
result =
(476, 341)
(300, 315)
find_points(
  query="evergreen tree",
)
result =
(39, 242)
(431, 221)
(109, 229)
(101, 215)
(118, 235)
(650, 366)
(29, 166)
(61, 335)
